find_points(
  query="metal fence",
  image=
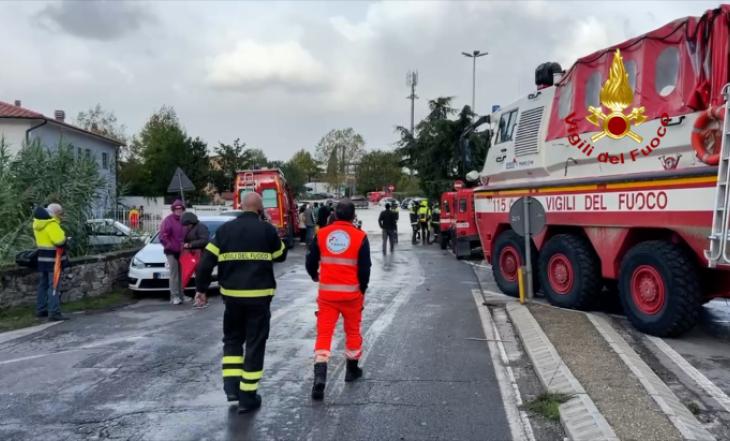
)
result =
(149, 221)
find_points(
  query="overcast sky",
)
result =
(281, 75)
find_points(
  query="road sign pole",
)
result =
(528, 253)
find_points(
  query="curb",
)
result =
(579, 416)
(678, 414)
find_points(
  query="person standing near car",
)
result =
(309, 224)
(323, 215)
(172, 236)
(339, 259)
(196, 238)
(244, 249)
(50, 240)
(388, 222)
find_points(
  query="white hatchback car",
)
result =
(148, 270)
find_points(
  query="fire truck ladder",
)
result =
(718, 252)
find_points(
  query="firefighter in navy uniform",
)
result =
(244, 250)
(339, 259)
(414, 223)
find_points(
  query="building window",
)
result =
(78, 153)
(105, 161)
(507, 124)
(88, 153)
(593, 90)
(666, 71)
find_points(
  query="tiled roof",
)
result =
(11, 111)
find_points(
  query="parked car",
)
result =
(108, 234)
(408, 202)
(390, 201)
(360, 201)
(148, 270)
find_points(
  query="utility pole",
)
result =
(474, 55)
(412, 82)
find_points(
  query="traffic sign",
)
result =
(536, 215)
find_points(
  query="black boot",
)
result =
(353, 371)
(320, 381)
(231, 387)
(248, 402)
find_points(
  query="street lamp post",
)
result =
(474, 55)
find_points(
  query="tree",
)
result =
(376, 170)
(435, 152)
(229, 158)
(304, 161)
(257, 158)
(160, 147)
(102, 122)
(341, 149)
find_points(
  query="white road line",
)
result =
(708, 386)
(80, 348)
(519, 423)
(12, 335)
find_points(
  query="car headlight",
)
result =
(136, 263)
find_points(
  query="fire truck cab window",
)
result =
(666, 71)
(269, 197)
(565, 104)
(507, 124)
(462, 205)
(630, 66)
(593, 89)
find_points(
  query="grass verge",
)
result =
(547, 404)
(24, 316)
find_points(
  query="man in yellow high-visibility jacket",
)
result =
(50, 240)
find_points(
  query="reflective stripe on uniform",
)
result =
(340, 288)
(249, 387)
(247, 292)
(278, 254)
(338, 261)
(252, 375)
(232, 373)
(46, 259)
(248, 255)
(232, 359)
(213, 249)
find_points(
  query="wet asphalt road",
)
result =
(151, 371)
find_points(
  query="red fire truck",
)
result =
(457, 222)
(279, 203)
(627, 152)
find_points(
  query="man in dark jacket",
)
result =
(323, 216)
(196, 233)
(244, 250)
(172, 235)
(388, 222)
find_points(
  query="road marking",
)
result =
(519, 423)
(12, 335)
(705, 383)
(80, 348)
(678, 414)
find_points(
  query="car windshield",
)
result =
(212, 228)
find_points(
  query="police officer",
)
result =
(339, 259)
(244, 250)
(424, 216)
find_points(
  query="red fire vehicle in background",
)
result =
(628, 153)
(458, 222)
(279, 204)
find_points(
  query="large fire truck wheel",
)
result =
(507, 257)
(570, 272)
(659, 288)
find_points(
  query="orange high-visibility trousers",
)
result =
(329, 312)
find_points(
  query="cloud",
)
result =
(251, 66)
(97, 20)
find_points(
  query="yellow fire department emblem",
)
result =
(616, 94)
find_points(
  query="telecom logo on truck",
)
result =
(616, 95)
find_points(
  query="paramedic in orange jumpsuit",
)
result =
(339, 259)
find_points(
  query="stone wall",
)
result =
(88, 276)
